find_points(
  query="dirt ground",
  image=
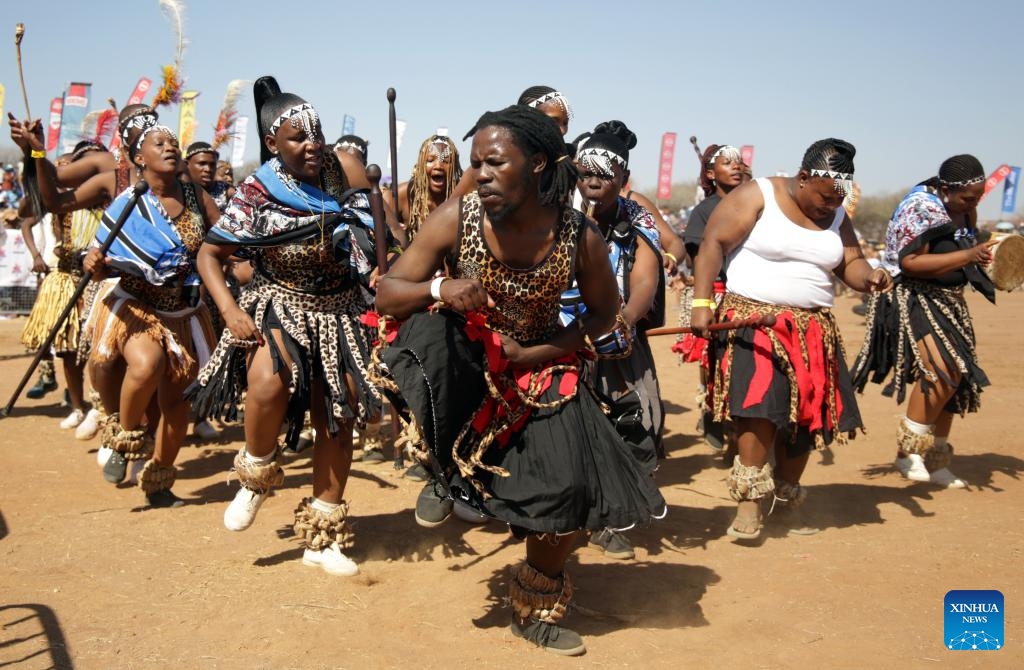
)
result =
(90, 579)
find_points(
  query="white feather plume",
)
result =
(175, 11)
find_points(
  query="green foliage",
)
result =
(873, 213)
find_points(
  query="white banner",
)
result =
(399, 132)
(238, 145)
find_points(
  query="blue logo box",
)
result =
(974, 621)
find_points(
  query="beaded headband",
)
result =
(141, 121)
(164, 129)
(961, 184)
(842, 182)
(350, 145)
(553, 96)
(599, 161)
(441, 147)
(726, 150)
(200, 150)
(299, 116)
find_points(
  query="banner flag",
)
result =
(238, 145)
(1, 101)
(187, 119)
(747, 155)
(53, 128)
(348, 126)
(399, 132)
(1010, 191)
(996, 177)
(76, 106)
(668, 153)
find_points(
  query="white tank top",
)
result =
(783, 263)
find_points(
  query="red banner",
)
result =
(747, 155)
(53, 128)
(993, 179)
(668, 153)
(136, 98)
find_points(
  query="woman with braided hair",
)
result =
(784, 386)
(437, 171)
(922, 333)
(624, 373)
(536, 452)
(294, 341)
(150, 334)
(722, 173)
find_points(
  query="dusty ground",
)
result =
(88, 579)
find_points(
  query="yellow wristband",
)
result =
(38, 154)
(703, 302)
(670, 256)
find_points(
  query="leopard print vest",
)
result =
(527, 299)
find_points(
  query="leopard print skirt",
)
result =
(322, 337)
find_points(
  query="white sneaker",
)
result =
(943, 477)
(89, 426)
(468, 514)
(73, 420)
(912, 467)
(103, 455)
(242, 511)
(331, 560)
(204, 431)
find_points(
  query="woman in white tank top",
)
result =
(782, 240)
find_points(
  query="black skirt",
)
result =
(898, 320)
(568, 469)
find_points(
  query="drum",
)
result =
(1007, 269)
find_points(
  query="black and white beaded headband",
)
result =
(164, 129)
(961, 184)
(842, 182)
(599, 161)
(299, 116)
(554, 96)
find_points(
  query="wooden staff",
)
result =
(393, 135)
(767, 321)
(380, 224)
(140, 187)
(19, 34)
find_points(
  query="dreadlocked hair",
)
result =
(706, 183)
(534, 132)
(533, 93)
(270, 103)
(419, 191)
(829, 154)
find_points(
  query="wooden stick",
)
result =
(380, 224)
(766, 321)
(19, 33)
(137, 191)
(696, 148)
(393, 136)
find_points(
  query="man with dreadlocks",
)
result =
(922, 333)
(537, 452)
(784, 386)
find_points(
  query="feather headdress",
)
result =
(99, 126)
(225, 128)
(170, 91)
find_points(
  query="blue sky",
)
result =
(909, 82)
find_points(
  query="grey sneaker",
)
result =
(163, 498)
(372, 455)
(549, 637)
(614, 545)
(432, 507)
(116, 468)
(417, 472)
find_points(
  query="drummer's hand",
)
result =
(879, 281)
(95, 263)
(700, 319)
(981, 253)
